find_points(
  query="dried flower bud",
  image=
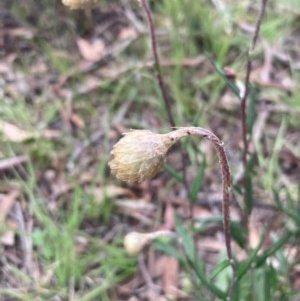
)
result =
(80, 4)
(134, 242)
(140, 155)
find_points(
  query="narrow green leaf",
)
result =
(200, 224)
(235, 89)
(293, 213)
(270, 251)
(251, 114)
(169, 250)
(244, 267)
(198, 181)
(261, 285)
(214, 289)
(174, 174)
(238, 233)
(219, 268)
(249, 193)
(195, 264)
(186, 239)
(249, 185)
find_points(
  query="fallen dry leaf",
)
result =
(91, 51)
(14, 134)
(6, 202)
(24, 33)
(127, 33)
(50, 134)
(133, 299)
(7, 237)
(112, 191)
(77, 120)
(170, 277)
(169, 221)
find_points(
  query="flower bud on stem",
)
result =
(134, 242)
(140, 155)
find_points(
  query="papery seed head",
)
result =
(80, 4)
(134, 242)
(139, 155)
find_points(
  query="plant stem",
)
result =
(226, 178)
(157, 68)
(226, 183)
(244, 103)
(162, 87)
(247, 80)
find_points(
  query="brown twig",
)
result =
(246, 94)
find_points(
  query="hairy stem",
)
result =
(244, 104)
(226, 183)
(247, 80)
(157, 68)
(226, 178)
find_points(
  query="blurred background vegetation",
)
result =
(73, 81)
